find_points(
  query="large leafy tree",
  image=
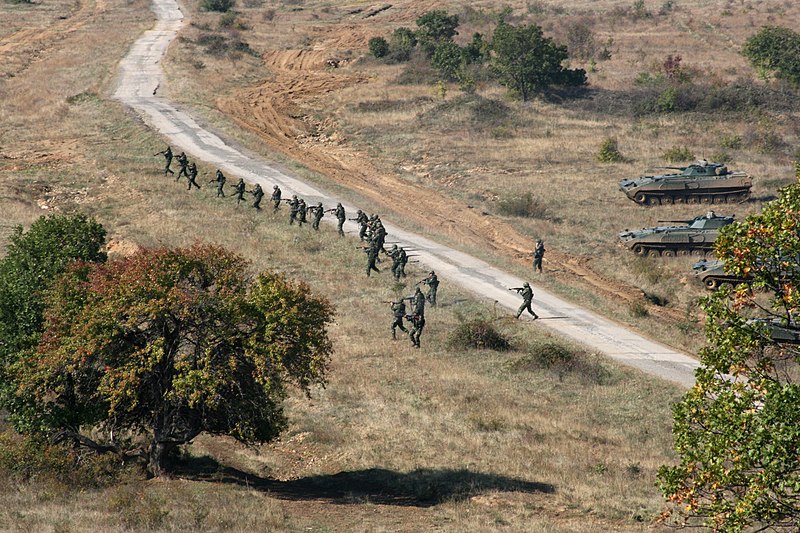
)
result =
(737, 431)
(34, 259)
(435, 28)
(528, 62)
(775, 49)
(172, 343)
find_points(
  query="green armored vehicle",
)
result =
(712, 274)
(703, 182)
(696, 237)
(779, 329)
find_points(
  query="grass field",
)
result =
(440, 438)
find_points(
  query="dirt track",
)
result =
(275, 111)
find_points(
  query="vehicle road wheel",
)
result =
(697, 252)
(711, 284)
(667, 200)
(692, 200)
(684, 253)
(720, 199)
(638, 249)
(705, 199)
(653, 200)
(668, 253)
(653, 253)
(640, 198)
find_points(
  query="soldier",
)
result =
(432, 281)
(192, 176)
(294, 204)
(341, 217)
(527, 298)
(168, 159)
(538, 255)
(183, 161)
(397, 259)
(302, 211)
(372, 257)
(239, 190)
(417, 325)
(403, 263)
(276, 198)
(399, 311)
(379, 235)
(220, 181)
(418, 302)
(361, 220)
(258, 195)
(317, 212)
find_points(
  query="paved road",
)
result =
(140, 78)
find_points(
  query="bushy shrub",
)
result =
(525, 205)
(378, 47)
(609, 152)
(401, 45)
(221, 6)
(478, 334)
(677, 154)
(563, 361)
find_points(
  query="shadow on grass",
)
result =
(423, 487)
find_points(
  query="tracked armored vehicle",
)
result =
(700, 183)
(712, 274)
(779, 330)
(696, 237)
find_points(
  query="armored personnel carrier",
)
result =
(712, 274)
(703, 183)
(779, 329)
(695, 237)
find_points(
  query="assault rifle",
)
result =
(518, 289)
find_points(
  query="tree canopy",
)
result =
(434, 28)
(34, 260)
(528, 62)
(775, 50)
(172, 343)
(737, 431)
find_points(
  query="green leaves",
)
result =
(775, 50)
(737, 431)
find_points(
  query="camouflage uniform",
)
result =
(372, 257)
(276, 197)
(361, 219)
(167, 159)
(301, 211)
(239, 189)
(394, 253)
(418, 302)
(341, 217)
(318, 212)
(417, 325)
(183, 161)
(432, 281)
(399, 311)
(258, 195)
(538, 255)
(220, 180)
(403, 262)
(527, 297)
(192, 176)
(294, 205)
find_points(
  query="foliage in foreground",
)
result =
(172, 343)
(737, 431)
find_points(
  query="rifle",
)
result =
(412, 255)
(518, 289)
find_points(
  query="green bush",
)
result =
(526, 205)
(677, 154)
(609, 152)
(478, 334)
(221, 6)
(227, 20)
(732, 142)
(378, 47)
(401, 45)
(773, 50)
(563, 361)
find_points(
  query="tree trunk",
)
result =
(158, 453)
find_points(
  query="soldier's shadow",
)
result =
(423, 487)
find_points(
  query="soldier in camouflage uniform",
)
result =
(301, 212)
(394, 253)
(258, 195)
(183, 161)
(341, 216)
(192, 176)
(417, 325)
(403, 262)
(432, 281)
(372, 257)
(538, 255)
(276, 198)
(294, 204)
(399, 311)
(417, 302)
(220, 181)
(361, 220)
(527, 297)
(167, 159)
(239, 190)
(317, 211)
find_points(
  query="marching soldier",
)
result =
(192, 176)
(258, 195)
(168, 159)
(527, 297)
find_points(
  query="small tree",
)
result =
(221, 6)
(737, 431)
(172, 343)
(378, 47)
(33, 261)
(528, 62)
(775, 50)
(402, 44)
(434, 28)
(448, 58)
